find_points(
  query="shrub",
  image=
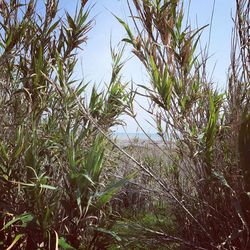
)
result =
(209, 129)
(51, 152)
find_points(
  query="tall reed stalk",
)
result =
(51, 155)
(208, 128)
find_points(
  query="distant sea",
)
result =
(140, 136)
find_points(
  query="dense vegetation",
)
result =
(65, 183)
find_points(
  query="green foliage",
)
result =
(57, 162)
(52, 155)
(205, 131)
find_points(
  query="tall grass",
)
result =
(209, 129)
(51, 155)
(64, 184)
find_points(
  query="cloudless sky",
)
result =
(95, 60)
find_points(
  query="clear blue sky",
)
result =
(96, 63)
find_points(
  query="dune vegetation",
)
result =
(66, 183)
